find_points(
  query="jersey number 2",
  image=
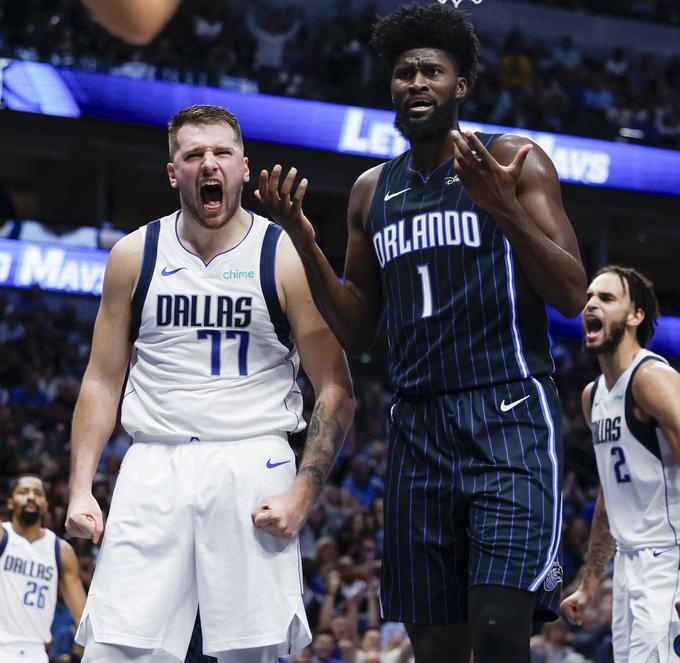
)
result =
(619, 465)
(215, 337)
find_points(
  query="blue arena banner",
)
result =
(78, 270)
(53, 267)
(42, 88)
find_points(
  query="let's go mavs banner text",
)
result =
(42, 88)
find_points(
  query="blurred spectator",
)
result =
(362, 483)
(551, 646)
(567, 55)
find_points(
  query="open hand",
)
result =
(284, 208)
(491, 185)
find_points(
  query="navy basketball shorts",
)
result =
(473, 497)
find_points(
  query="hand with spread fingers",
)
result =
(491, 185)
(284, 208)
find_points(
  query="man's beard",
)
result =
(611, 341)
(29, 518)
(434, 127)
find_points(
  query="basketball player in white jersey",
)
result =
(634, 412)
(34, 565)
(208, 307)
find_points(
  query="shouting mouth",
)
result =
(211, 195)
(592, 326)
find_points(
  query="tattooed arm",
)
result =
(326, 367)
(601, 547)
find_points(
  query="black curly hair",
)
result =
(428, 26)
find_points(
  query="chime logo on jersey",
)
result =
(220, 311)
(28, 568)
(427, 231)
(606, 430)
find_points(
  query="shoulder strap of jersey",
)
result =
(596, 384)
(270, 243)
(645, 433)
(153, 230)
(3, 540)
(57, 554)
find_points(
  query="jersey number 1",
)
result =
(424, 273)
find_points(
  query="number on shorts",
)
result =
(215, 337)
(619, 465)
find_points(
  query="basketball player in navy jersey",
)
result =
(34, 564)
(462, 241)
(210, 310)
(634, 411)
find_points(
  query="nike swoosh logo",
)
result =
(389, 196)
(170, 272)
(271, 465)
(656, 553)
(506, 407)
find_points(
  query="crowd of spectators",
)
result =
(524, 82)
(663, 11)
(44, 347)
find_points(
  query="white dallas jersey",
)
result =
(639, 475)
(213, 356)
(29, 578)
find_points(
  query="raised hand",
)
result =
(491, 185)
(284, 208)
(84, 518)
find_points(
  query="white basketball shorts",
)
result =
(180, 534)
(23, 653)
(645, 624)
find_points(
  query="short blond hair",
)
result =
(201, 114)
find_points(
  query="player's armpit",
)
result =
(70, 584)
(656, 391)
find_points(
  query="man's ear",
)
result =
(171, 175)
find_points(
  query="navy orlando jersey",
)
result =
(460, 312)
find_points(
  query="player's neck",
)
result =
(614, 364)
(30, 532)
(209, 242)
(428, 155)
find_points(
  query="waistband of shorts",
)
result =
(145, 438)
